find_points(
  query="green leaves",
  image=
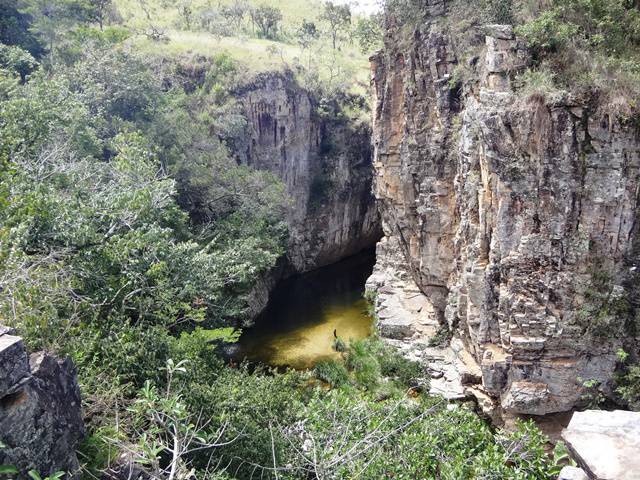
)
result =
(628, 385)
(8, 470)
(609, 25)
(36, 476)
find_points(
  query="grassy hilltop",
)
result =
(206, 27)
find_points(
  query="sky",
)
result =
(362, 6)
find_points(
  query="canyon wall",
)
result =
(325, 163)
(513, 217)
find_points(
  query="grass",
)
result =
(255, 54)
(165, 12)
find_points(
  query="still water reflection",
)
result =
(297, 328)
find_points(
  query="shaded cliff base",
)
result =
(406, 319)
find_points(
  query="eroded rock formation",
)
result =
(514, 215)
(40, 419)
(325, 163)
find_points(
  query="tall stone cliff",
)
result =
(510, 218)
(325, 164)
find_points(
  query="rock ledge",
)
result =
(606, 444)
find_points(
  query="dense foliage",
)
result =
(289, 426)
(124, 218)
(589, 44)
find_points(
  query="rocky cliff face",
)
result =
(514, 216)
(40, 418)
(325, 164)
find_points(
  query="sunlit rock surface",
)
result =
(606, 444)
(506, 211)
(572, 473)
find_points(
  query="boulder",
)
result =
(14, 363)
(606, 444)
(572, 473)
(40, 417)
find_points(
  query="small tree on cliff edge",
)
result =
(337, 18)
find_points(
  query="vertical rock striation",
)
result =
(514, 215)
(325, 164)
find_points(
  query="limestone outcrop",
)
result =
(40, 418)
(514, 215)
(325, 163)
(605, 444)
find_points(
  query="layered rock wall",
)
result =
(325, 164)
(40, 418)
(515, 214)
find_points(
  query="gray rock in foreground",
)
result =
(40, 418)
(606, 444)
(572, 473)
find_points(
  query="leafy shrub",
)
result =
(589, 45)
(332, 372)
(629, 387)
(499, 11)
(548, 32)
(521, 451)
(356, 436)
(592, 395)
(610, 25)
(364, 364)
(442, 336)
(396, 366)
(628, 381)
(17, 60)
(607, 311)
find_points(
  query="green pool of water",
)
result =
(297, 328)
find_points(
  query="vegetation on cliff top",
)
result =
(577, 45)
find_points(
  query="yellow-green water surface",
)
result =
(297, 328)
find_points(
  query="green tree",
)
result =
(338, 20)
(15, 59)
(307, 34)
(368, 32)
(267, 18)
(52, 20)
(235, 13)
(15, 28)
(185, 9)
(99, 11)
